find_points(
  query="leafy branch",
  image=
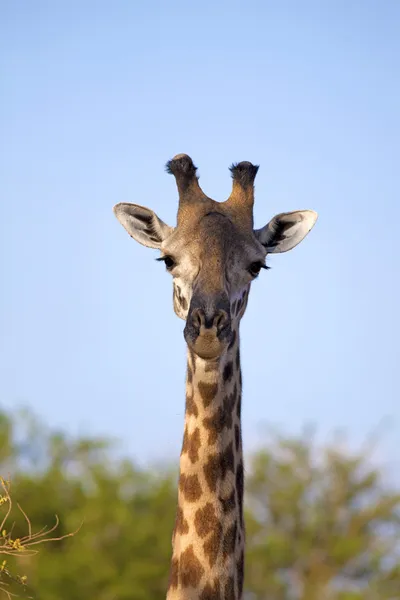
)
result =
(20, 546)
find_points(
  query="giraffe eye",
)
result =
(168, 261)
(256, 267)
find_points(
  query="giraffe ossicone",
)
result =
(213, 254)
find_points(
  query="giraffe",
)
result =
(213, 254)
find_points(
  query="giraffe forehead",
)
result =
(212, 234)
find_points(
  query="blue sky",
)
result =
(96, 96)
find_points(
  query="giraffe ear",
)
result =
(286, 230)
(142, 224)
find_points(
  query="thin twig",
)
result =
(21, 546)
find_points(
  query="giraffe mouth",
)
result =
(208, 329)
(208, 343)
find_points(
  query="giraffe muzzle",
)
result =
(208, 328)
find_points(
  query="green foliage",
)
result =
(320, 524)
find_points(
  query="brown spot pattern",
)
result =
(240, 573)
(238, 358)
(208, 391)
(205, 520)
(239, 488)
(173, 575)
(228, 503)
(185, 441)
(239, 406)
(181, 525)
(230, 589)
(194, 445)
(189, 486)
(227, 460)
(217, 467)
(212, 471)
(228, 372)
(229, 405)
(211, 592)
(212, 545)
(191, 444)
(237, 437)
(229, 541)
(190, 569)
(221, 418)
(215, 425)
(191, 406)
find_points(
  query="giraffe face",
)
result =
(213, 263)
(213, 254)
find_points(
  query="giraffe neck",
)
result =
(208, 539)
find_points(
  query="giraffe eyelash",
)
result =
(255, 268)
(168, 261)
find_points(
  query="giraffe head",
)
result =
(214, 253)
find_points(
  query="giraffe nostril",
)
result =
(197, 318)
(221, 320)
